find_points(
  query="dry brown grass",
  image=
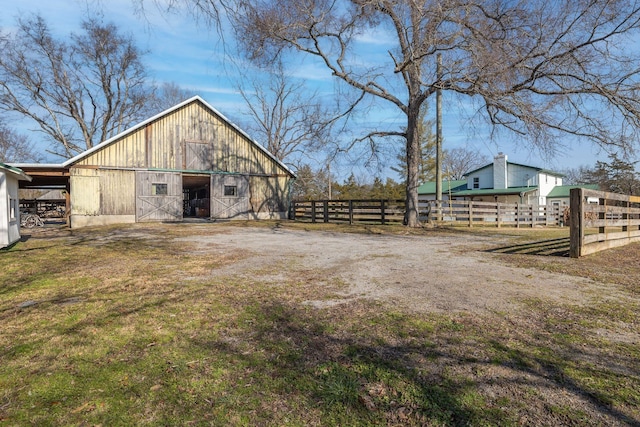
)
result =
(127, 326)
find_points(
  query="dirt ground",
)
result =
(432, 274)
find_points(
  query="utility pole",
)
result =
(438, 138)
(329, 176)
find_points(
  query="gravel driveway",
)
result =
(421, 273)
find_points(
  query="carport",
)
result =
(46, 177)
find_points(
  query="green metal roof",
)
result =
(564, 190)
(491, 191)
(453, 186)
(21, 175)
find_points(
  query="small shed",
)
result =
(10, 204)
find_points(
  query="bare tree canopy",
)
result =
(79, 92)
(459, 161)
(167, 95)
(15, 147)
(285, 116)
(541, 69)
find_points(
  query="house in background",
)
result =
(188, 161)
(505, 182)
(560, 195)
(427, 191)
(9, 204)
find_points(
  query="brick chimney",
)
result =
(500, 171)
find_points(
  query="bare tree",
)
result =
(15, 147)
(459, 161)
(79, 92)
(577, 176)
(539, 69)
(284, 116)
(167, 95)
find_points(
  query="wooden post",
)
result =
(533, 216)
(517, 215)
(382, 213)
(498, 214)
(313, 211)
(603, 216)
(625, 216)
(470, 213)
(325, 206)
(547, 214)
(350, 212)
(576, 223)
(67, 204)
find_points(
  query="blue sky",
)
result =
(194, 57)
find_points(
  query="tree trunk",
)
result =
(411, 216)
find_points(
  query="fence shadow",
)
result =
(551, 247)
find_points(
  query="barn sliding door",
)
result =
(158, 196)
(229, 196)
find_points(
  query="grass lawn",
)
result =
(108, 327)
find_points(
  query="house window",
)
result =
(13, 209)
(476, 182)
(231, 190)
(159, 189)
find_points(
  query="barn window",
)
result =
(159, 189)
(476, 182)
(231, 190)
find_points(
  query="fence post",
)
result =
(533, 217)
(603, 216)
(498, 214)
(625, 216)
(350, 212)
(470, 213)
(382, 217)
(576, 222)
(313, 211)
(325, 213)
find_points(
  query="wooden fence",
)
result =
(455, 212)
(601, 220)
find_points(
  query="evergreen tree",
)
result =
(427, 164)
(616, 176)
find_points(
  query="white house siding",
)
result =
(485, 177)
(547, 184)
(522, 176)
(9, 208)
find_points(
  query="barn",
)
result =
(9, 204)
(186, 162)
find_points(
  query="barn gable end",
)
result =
(174, 166)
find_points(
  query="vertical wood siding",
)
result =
(267, 194)
(117, 194)
(102, 192)
(85, 197)
(162, 144)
